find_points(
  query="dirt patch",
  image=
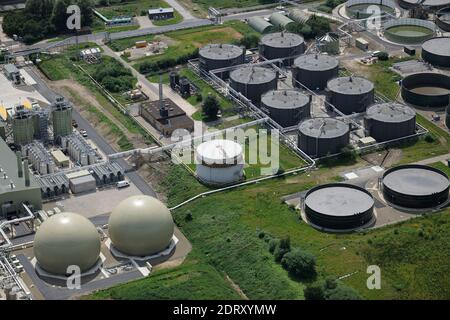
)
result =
(154, 172)
(236, 288)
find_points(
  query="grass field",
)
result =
(224, 4)
(131, 8)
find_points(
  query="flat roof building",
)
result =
(161, 13)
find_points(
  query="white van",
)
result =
(123, 184)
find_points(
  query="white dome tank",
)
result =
(220, 162)
(66, 239)
(141, 226)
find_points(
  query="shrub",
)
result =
(299, 263)
(284, 246)
(273, 244)
(330, 289)
(430, 138)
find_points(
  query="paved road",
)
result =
(140, 183)
(182, 10)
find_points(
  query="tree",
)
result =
(211, 107)
(284, 246)
(59, 15)
(87, 16)
(249, 41)
(314, 291)
(299, 263)
(330, 289)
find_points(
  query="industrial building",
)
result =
(23, 126)
(319, 137)
(107, 173)
(281, 45)
(39, 158)
(298, 16)
(389, 121)
(61, 160)
(253, 81)
(432, 5)
(161, 13)
(351, 94)
(53, 185)
(260, 25)
(415, 186)
(443, 19)
(166, 116)
(286, 107)
(78, 149)
(426, 89)
(329, 43)
(62, 118)
(314, 70)
(12, 73)
(17, 185)
(280, 20)
(54, 244)
(219, 162)
(218, 56)
(436, 51)
(81, 182)
(339, 206)
(140, 226)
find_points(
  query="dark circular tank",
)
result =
(388, 121)
(314, 70)
(253, 81)
(218, 56)
(174, 78)
(426, 89)
(431, 4)
(415, 186)
(351, 94)
(281, 45)
(339, 206)
(286, 107)
(437, 51)
(318, 137)
(443, 19)
(447, 117)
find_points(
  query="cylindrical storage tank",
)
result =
(426, 89)
(281, 45)
(339, 206)
(66, 239)
(443, 19)
(174, 78)
(351, 94)
(260, 25)
(361, 9)
(140, 226)
(415, 186)
(219, 162)
(388, 121)
(286, 107)
(62, 121)
(314, 70)
(408, 30)
(23, 128)
(319, 137)
(252, 82)
(185, 87)
(447, 117)
(280, 20)
(218, 56)
(298, 16)
(436, 51)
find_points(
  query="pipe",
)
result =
(27, 173)
(19, 164)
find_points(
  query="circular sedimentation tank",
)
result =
(319, 137)
(314, 70)
(66, 239)
(140, 226)
(361, 9)
(436, 51)
(415, 186)
(426, 89)
(388, 121)
(339, 206)
(351, 94)
(443, 19)
(281, 45)
(217, 56)
(220, 162)
(286, 107)
(253, 81)
(408, 30)
(431, 4)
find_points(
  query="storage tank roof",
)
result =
(416, 180)
(285, 99)
(323, 128)
(221, 51)
(66, 239)
(438, 46)
(316, 62)
(219, 151)
(350, 85)
(390, 112)
(253, 75)
(341, 200)
(282, 40)
(141, 226)
(429, 3)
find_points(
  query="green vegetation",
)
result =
(43, 18)
(223, 4)
(123, 44)
(210, 107)
(330, 289)
(190, 281)
(329, 5)
(129, 8)
(443, 167)
(300, 264)
(315, 26)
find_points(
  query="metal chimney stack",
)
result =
(27, 173)
(19, 164)
(161, 96)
